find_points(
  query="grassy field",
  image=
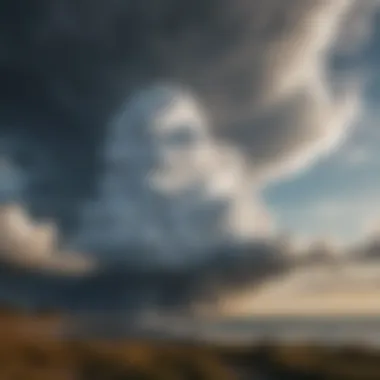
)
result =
(26, 353)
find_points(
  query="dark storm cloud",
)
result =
(134, 289)
(65, 66)
(259, 69)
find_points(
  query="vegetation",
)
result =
(28, 354)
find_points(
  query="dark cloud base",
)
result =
(118, 287)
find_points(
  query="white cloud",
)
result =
(181, 161)
(26, 243)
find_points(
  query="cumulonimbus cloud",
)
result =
(259, 71)
(266, 89)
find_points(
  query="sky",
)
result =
(347, 290)
(157, 135)
(338, 196)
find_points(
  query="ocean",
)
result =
(356, 330)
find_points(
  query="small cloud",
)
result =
(26, 243)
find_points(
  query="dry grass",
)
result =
(31, 356)
(27, 353)
(97, 361)
(305, 361)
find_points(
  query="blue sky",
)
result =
(340, 195)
